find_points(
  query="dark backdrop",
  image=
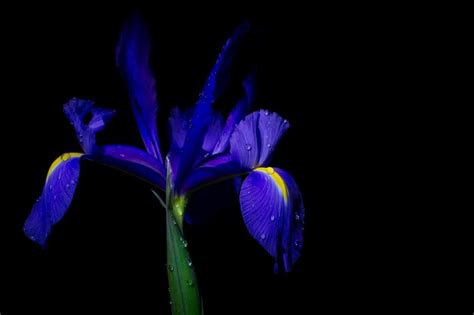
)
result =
(316, 67)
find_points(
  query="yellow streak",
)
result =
(277, 179)
(64, 157)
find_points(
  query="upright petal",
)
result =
(179, 123)
(254, 139)
(213, 133)
(202, 115)
(87, 120)
(132, 56)
(57, 195)
(273, 211)
(238, 112)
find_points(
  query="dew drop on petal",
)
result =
(269, 145)
(272, 218)
(248, 147)
(266, 112)
(263, 236)
(297, 217)
(190, 282)
(171, 268)
(122, 155)
(73, 181)
(67, 185)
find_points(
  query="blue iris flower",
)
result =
(205, 148)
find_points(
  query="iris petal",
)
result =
(133, 161)
(254, 139)
(77, 111)
(216, 168)
(238, 112)
(202, 114)
(57, 195)
(272, 210)
(132, 56)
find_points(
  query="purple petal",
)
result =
(214, 131)
(254, 139)
(202, 114)
(217, 168)
(272, 210)
(132, 57)
(77, 111)
(133, 161)
(179, 123)
(57, 195)
(238, 112)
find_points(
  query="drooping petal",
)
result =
(132, 57)
(133, 161)
(272, 210)
(238, 112)
(255, 137)
(202, 114)
(57, 195)
(87, 121)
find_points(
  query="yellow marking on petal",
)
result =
(64, 157)
(277, 179)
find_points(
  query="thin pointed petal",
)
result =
(202, 115)
(132, 56)
(237, 114)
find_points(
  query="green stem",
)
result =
(183, 286)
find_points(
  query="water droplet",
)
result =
(297, 217)
(285, 121)
(67, 185)
(38, 200)
(171, 268)
(263, 236)
(73, 181)
(190, 282)
(122, 155)
(297, 244)
(190, 263)
(269, 145)
(266, 112)
(185, 243)
(206, 155)
(171, 302)
(50, 187)
(248, 147)
(272, 218)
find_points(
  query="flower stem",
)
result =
(183, 286)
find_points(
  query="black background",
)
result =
(320, 68)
